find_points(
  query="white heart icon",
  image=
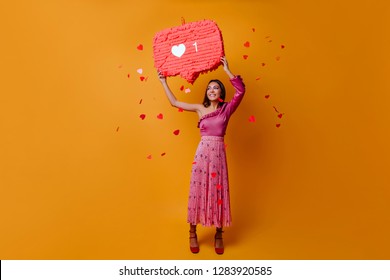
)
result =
(178, 50)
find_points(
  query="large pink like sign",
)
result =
(188, 50)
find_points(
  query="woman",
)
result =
(209, 200)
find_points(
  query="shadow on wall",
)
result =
(248, 155)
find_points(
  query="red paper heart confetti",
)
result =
(219, 201)
(247, 44)
(182, 88)
(252, 119)
(267, 96)
(142, 78)
(253, 29)
(140, 101)
(117, 129)
(163, 154)
(278, 125)
(176, 132)
(263, 64)
(280, 116)
(277, 58)
(180, 110)
(140, 47)
(213, 174)
(160, 116)
(245, 56)
(149, 157)
(276, 110)
(258, 78)
(128, 75)
(142, 116)
(282, 46)
(194, 162)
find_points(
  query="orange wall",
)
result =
(75, 179)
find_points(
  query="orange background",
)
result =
(75, 179)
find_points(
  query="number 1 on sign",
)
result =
(196, 46)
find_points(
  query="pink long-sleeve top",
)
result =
(215, 123)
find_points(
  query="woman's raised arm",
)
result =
(172, 99)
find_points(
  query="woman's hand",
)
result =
(226, 67)
(225, 64)
(162, 78)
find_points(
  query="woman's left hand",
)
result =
(225, 63)
(226, 67)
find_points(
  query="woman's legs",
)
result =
(218, 242)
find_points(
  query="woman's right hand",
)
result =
(161, 77)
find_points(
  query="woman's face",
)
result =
(213, 91)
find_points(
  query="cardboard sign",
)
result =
(188, 50)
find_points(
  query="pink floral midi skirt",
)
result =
(209, 199)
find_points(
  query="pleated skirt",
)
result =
(209, 199)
